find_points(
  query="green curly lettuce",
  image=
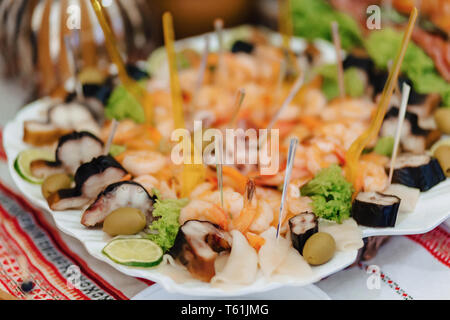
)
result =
(311, 20)
(331, 194)
(354, 85)
(123, 105)
(382, 46)
(164, 229)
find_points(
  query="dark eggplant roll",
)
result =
(374, 209)
(100, 91)
(197, 246)
(90, 179)
(302, 226)
(361, 62)
(135, 72)
(121, 194)
(379, 78)
(414, 138)
(73, 150)
(417, 171)
(242, 46)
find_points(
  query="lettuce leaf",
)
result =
(382, 46)
(122, 105)
(331, 194)
(311, 20)
(164, 229)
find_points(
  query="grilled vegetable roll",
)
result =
(417, 171)
(90, 179)
(302, 226)
(374, 209)
(197, 246)
(413, 138)
(73, 150)
(242, 46)
(118, 195)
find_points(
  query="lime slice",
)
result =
(24, 159)
(442, 142)
(134, 252)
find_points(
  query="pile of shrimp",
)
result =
(325, 131)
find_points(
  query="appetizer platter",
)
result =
(100, 163)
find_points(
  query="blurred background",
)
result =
(33, 54)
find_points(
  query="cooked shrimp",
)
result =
(248, 213)
(263, 218)
(356, 109)
(204, 211)
(233, 202)
(201, 189)
(295, 203)
(143, 162)
(148, 182)
(374, 176)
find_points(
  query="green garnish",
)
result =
(382, 46)
(122, 105)
(164, 229)
(354, 85)
(134, 252)
(384, 146)
(311, 20)
(116, 149)
(331, 194)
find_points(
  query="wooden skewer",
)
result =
(338, 49)
(112, 133)
(280, 79)
(237, 106)
(139, 93)
(398, 132)
(73, 62)
(290, 163)
(218, 26)
(201, 72)
(397, 88)
(192, 173)
(219, 169)
(294, 90)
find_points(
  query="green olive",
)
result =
(442, 118)
(319, 248)
(54, 183)
(124, 221)
(442, 153)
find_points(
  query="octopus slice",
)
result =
(90, 179)
(118, 195)
(197, 246)
(73, 150)
(62, 118)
